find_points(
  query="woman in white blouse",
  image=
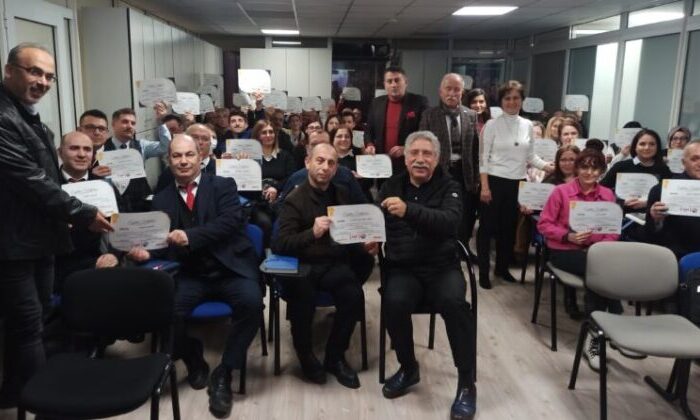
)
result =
(506, 150)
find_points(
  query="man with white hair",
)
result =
(422, 206)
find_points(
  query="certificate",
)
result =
(496, 111)
(96, 193)
(624, 136)
(352, 94)
(186, 102)
(275, 99)
(206, 103)
(534, 195)
(327, 104)
(253, 80)
(379, 92)
(533, 105)
(546, 149)
(356, 224)
(358, 138)
(373, 166)
(576, 102)
(252, 148)
(157, 90)
(681, 196)
(598, 217)
(124, 163)
(246, 172)
(311, 103)
(294, 104)
(242, 99)
(149, 230)
(675, 164)
(213, 80)
(633, 185)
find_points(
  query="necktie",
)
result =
(189, 198)
(455, 138)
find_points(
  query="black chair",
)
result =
(108, 303)
(424, 309)
(537, 241)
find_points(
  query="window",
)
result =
(596, 27)
(690, 104)
(657, 14)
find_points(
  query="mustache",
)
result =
(420, 166)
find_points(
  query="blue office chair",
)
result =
(687, 263)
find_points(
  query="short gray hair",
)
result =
(457, 76)
(424, 135)
(13, 56)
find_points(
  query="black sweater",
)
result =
(659, 170)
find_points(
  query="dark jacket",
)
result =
(411, 110)
(343, 177)
(35, 212)
(135, 196)
(220, 223)
(659, 170)
(426, 236)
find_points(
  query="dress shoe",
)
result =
(398, 384)
(506, 276)
(197, 367)
(312, 368)
(484, 280)
(464, 405)
(344, 373)
(220, 394)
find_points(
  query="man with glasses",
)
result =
(35, 214)
(93, 123)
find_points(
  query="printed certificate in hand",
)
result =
(252, 148)
(631, 185)
(246, 172)
(546, 149)
(357, 223)
(675, 164)
(534, 195)
(373, 166)
(149, 230)
(186, 102)
(624, 136)
(156, 90)
(254, 80)
(97, 193)
(681, 196)
(124, 163)
(358, 138)
(598, 217)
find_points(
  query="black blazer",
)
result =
(220, 223)
(411, 110)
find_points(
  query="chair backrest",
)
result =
(118, 302)
(255, 234)
(631, 271)
(687, 263)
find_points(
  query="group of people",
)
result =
(451, 163)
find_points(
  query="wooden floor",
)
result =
(518, 376)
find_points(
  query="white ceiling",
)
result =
(383, 18)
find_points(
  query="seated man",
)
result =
(203, 136)
(423, 207)
(217, 262)
(303, 233)
(681, 234)
(238, 129)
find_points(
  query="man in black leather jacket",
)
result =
(35, 213)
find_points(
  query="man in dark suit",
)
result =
(217, 260)
(455, 127)
(203, 136)
(35, 214)
(393, 117)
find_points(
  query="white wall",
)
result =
(603, 84)
(425, 69)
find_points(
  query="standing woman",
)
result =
(506, 150)
(476, 101)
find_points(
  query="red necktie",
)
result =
(189, 199)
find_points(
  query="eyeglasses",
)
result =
(38, 73)
(96, 128)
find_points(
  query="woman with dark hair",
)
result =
(341, 139)
(475, 100)
(647, 158)
(332, 123)
(506, 149)
(564, 168)
(567, 249)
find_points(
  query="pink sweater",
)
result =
(554, 219)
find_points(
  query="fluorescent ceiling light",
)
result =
(280, 31)
(286, 42)
(484, 10)
(590, 31)
(646, 18)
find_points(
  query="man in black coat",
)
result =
(35, 213)
(422, 208)
(393, 117)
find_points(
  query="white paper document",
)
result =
(254, 80)
(352, 94)
(373, 166)
(252, 148)
(546, 149)
(600, 217)
(534, 195)
(356, 224)
(576, 102)
(246, 172)
(681, 196)
(96, 193)
(294, 104)
(276, 99)
(358, 138)
(533, 105)
(206, 103)
(675, 164)
(149, 230)
(327, 104)
(124, 163)
(311, 103)
(157, 90)
(242, 99)
(186, 102)
(631, 185)
(624, 136)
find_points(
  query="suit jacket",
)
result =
(411, 110)
(220, 223)
(434, 120)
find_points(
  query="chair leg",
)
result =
(241, 380)
(431, 332)
(523, 270)
(382, 346)
(579, 352)
(270, 318)
(538, 296)
(155, 404)
(603, 376)
(363, 341)
(277, 335)
(677, 388)
(174, 394)
(538, 257)
(553, 311)
(637, 308)
(263, 335)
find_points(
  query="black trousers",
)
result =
(444, 290)
(498, 220)
(243, 294)
(342, 283)
(574, 262)
(469, 205)
(25, 295)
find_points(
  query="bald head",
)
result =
(76, 153)
(451, 88)
(691, 159)
(184, 158)
(321, 164)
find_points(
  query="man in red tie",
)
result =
(217, 261)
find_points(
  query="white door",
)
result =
(53, 27)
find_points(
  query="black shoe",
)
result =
(398, 384)
(220, 394)
(8, 399)
(197, 367)
(344, 373)
(464, 405)
(312, 368)
(484, 280)
(506, 276)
